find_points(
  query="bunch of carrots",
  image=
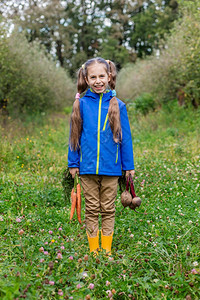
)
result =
(76, 199)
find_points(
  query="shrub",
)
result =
(144, 103)
(29, 79)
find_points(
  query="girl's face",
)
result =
(97, 78)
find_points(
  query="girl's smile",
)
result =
(97, 78)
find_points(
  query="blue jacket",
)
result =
(98, 153)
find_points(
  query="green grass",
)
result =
(155, 253)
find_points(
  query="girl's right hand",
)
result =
(73, 171)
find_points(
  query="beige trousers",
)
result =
(100, 192)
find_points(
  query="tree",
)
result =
(75, 30)
(154, 20)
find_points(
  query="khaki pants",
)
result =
(100, 192)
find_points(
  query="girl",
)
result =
(100, 147)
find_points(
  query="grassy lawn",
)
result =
(155, 253)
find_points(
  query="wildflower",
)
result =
(107, 282)
(190, 222)
(194, 271)
(60, 292)
(148, 221)
(46, 243)
(84, 275)
(42, 260)
(1, 219)
(60, 229)
(59, 256)
(46, 252)
(109, 293)
(41, 249)
(21, 231)
(51, 282)
(71, 258)
(91, 286)
(78, 286)
(85, 257)
(62, 247)
(110, 258)
(131, 235)
(53, 241)
(18, 220)
(195, 263)
(50, 231)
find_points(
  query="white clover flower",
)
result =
(195, 263)
(190, 222)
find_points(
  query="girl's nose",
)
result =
(98, 79)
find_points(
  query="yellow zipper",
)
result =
(104, 126)
(81, 154)
(98, 135)
(117, 154)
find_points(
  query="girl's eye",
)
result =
(92, 77)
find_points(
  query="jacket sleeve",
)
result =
(73, 158)
(126, 146)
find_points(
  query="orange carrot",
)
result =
(78, 202)
(73, 205)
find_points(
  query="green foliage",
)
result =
(172, 73)
(155, 252)
(68, 110)
(151, 25)
(144, 103)
(29, 80)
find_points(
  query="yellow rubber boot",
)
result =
(106, 242)
(93, 243)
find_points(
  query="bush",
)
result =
(144, 103)
(29, 80)
(175, 72)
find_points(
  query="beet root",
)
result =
(136, 202)
(126, 198)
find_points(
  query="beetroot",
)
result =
(126, 198)
(136, 202)
(129, 198)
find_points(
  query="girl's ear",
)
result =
(86, 80)
(109, 77)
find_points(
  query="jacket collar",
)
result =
(106, 96)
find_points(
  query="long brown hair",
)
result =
(113, 111)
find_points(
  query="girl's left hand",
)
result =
(130, 172)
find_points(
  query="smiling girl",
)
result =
(100, 147)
